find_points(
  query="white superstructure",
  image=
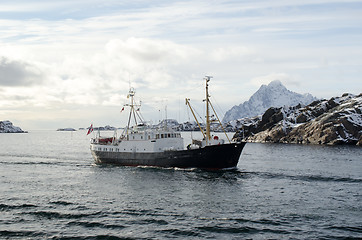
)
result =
(140, 141)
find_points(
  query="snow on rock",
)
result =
(275, 94)
(334, 121)
(8, 127)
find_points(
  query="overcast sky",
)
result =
(69, 63)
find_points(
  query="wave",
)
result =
(348, 228)
(262, 221)
(12, 234)
(49, 161)
(58, 215)
(180, 233)
(135, 212)
(60, 202)
(150, 221)
(241, 229)
(309, 178)
(94, 237)
(6, 207)
(96, 224)
(42, 159)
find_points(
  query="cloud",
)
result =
(18, 73)
(226, 53)
(283, 77)
(148, 50)
(84, 53)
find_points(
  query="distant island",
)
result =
(332, 122)
(66, 130)
(8, 127)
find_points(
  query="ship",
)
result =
(144, 145)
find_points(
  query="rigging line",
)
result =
(129, 120)
(199, 116)
(134, 116)
(139, 115)
(192, 111)
(220, 122)
(189, 120)
(219, 108)
(194, 87)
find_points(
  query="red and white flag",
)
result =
(122, 109)
(90, 129)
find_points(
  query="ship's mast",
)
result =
(207, 133)
(133, 113)
(208, 136)
(130, 94)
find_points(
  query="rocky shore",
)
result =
(8, 127)
(333, 122)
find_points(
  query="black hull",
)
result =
(210, 157)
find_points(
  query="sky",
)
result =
(71, 63)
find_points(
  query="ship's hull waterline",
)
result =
(209, 157)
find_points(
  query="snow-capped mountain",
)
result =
(275, 94)
(334, 121)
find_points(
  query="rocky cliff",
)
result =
(334, 121)
(8, 127)
(275, 94)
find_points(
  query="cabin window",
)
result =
(149, 137)
(169, 135)
(157, 136)
(141, 137)
(133, 137)
(161, 135)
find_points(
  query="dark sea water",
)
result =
(49, 189)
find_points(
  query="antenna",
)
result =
(129, 80)
(208, 78)
(166, 116)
